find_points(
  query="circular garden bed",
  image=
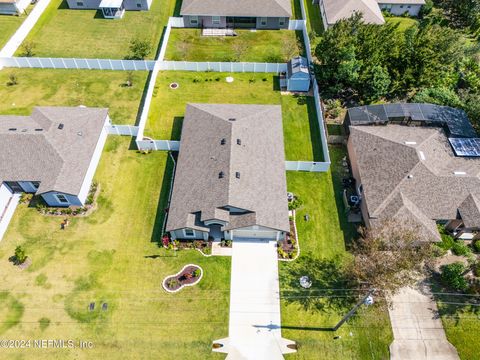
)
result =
(190, 275)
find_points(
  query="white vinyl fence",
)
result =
(223, 66)
(176, 22)
(170, 145)
(307, 166)
(69, 63)
(127, 130)
(296, 24)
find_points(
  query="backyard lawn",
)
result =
(98, 88)
(302, 140)
(404, 22)
(9, 24)
(314, 18)
(323, 241)
(111, 257)
(62, 32)
(258, 46)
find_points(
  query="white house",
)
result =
(230, 177)
(400, 7)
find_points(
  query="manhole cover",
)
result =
(174, 86)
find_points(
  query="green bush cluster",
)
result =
(460, 249)
(452, 276)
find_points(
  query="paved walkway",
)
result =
(16, 40)
(417, 328)
(255, 323)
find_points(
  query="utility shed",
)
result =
(298, 74)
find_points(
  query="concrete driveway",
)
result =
(255, 323)
(417, 329)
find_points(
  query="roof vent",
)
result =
(239, 142)
(24, 130)
(410, 143)
(79, 133)
(60, 126)
(12, 129)
(221, 175)
(38, 129)
(232, 119)
(460, 173)
(410, 176)
(237, 175)
(223, 142)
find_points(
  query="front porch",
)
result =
(112, 9)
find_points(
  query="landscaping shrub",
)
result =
(447, 240)
(295, 203)
(196, 273)
(452, 275)
(20, 255)
(476, 246)
(460, 249)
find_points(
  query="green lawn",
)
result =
(323, 241)
(461, 322)
(302, 141)
(72, 88)
(9, 24)
(296, 10)
(62, 32)
(258, 46)
(111, 257)
(404, 22)
(314, 18)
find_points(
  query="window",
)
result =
(61, 198)
(139, 5)
(79, 3)
(263, 21)
(215, 20)
(281, 21)
(194, 20)
(189, 232)
(35, 184)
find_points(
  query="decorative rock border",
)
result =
(164, 282)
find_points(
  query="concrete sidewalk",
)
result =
(417, 328)
(255, 323)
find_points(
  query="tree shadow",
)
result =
(163, 203)
(328, 279)
(176, 132)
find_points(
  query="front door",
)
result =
(14, 186)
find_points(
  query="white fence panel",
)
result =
(126, 130)
(176, 22)
(168, 145)
(307, 166)
(296, 24)
(67, 63)
(321, 125)
(232, 67)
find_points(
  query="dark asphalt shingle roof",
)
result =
(250, 8)
(57, 158)
(198, 192)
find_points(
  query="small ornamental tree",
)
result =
(452, 275)
(390, 256)
(28, 49)
(20, 255)
(139, 49)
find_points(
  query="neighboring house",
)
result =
(12, 7)
(230, 177)
(371, 10)
(54, 153)
(424, 175)
(111, 9)
(401, 7)
(298, 76)
(265, 14)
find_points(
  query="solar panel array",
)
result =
(466, 147)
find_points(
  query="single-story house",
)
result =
(230, 177)
(54, 153)
(401, 7)
(420, 174)
(298, 74)
(254, 14)
(371, 10)
(13, 7)
(111, 9)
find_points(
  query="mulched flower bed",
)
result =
(288, 246)
(204, 246)
(189, 275)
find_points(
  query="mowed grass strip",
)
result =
(324, 238)
(259, 46)
(94, 88)
(301, 134)
(64, 32)
(112, 257)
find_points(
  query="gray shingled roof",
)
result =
(416, 163)
(298, 64)
(198, 192)
(470, 211)
(253, 8)
(455, 120)
(39, 151)
(336, 10)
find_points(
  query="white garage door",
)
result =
(254, 234)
